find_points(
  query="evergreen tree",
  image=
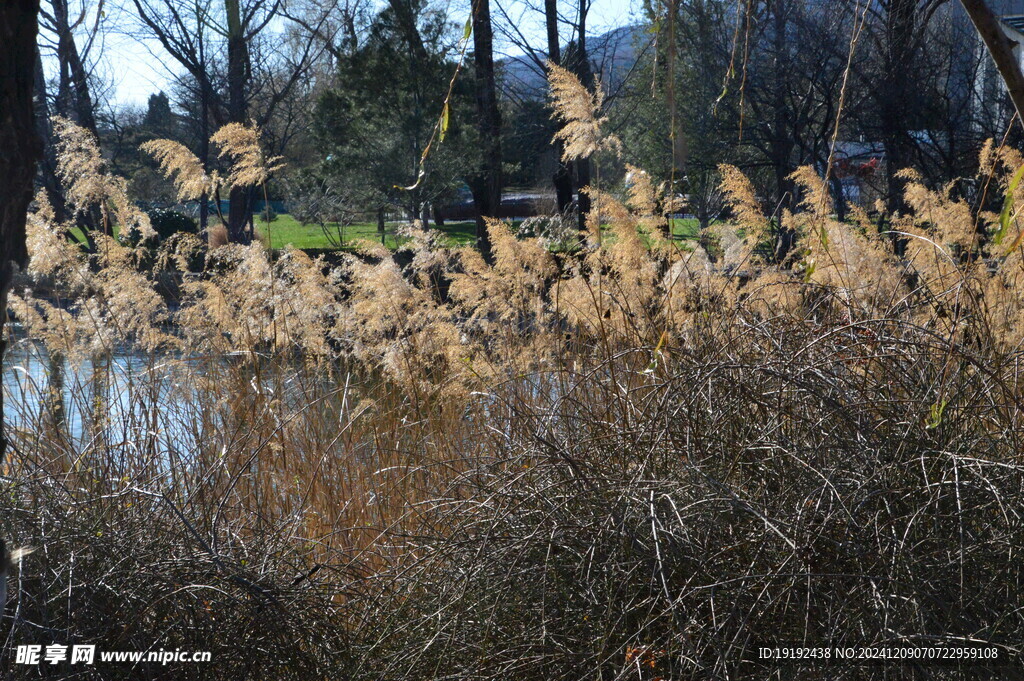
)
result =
(376, 124)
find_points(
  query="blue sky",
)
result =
(135, 68)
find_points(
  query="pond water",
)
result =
(131, 397)
(154, 399)
(80, 401)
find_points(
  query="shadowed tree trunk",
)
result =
(899, 31)
(204, 154)
(562, 178)
(893, 90)
(486, 185)
(72, 100)
(19, 147)
(240, 198)
(579, 64)
(782, 142)
(48, 162)
(676, 136)
(73, 96)
(48, 166)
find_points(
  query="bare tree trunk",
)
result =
(781, 138)
(486, 186)
(675, 135)
(48, 163)
(83, 104)
(678, 140)
(781, 142)
(204, 153)
(239, 210)
(582, 71)
(73, 96)
(19, 148)
(581, 67)
(1001, 49)
(237, 62)
(893, 90)
(73, 100)
(562, 178)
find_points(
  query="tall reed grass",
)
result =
(627, 461)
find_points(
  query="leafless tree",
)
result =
(792, 87)
(184, 31)
(60, 21)
(19, 147)
(486, 184)
(70, 32)
(569, 24)
(896, 33)
(562, 178)
(201, 35)
(335, 24)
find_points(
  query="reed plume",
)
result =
(580, 113)
(250, 167)
(88, 184)
(181, 166)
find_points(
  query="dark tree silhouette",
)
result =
(19, 145)
(562, 179)
(486, 185)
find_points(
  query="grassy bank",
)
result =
(624, 512)
(614, 463)
(285, 230)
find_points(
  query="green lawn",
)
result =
(686, 228)
(683, 229)
(285, 230)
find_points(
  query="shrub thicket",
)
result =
(622, 462)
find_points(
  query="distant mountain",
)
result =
(612, 55)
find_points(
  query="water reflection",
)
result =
(91, 401)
